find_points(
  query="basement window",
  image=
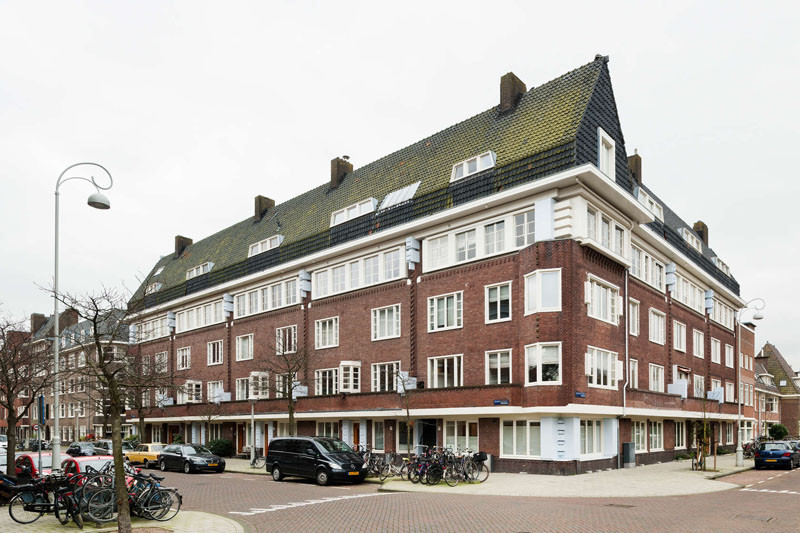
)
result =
(353, 211)
(199, 270)
(473, 165)
(266, 244)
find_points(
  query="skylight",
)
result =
(159, 271)
(400, 195)
(266, 244)
(471, 166)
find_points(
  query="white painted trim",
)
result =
(486, 288)
(510, 364)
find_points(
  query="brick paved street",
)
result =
(296, 505)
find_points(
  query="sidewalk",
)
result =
(184, 522)
(242, 466)
(665, 479)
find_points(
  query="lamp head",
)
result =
(99, 200)
(758, 315)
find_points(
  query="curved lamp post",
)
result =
(98, 200)
(758, 315)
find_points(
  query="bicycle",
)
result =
(50, 494)
(146, 498)
(259, 460)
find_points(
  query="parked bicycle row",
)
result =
(90, 496)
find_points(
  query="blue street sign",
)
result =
(501, 402)
(580, 394)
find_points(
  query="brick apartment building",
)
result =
(549, 304)
(780, 389)
(83, 407)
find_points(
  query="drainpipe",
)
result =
(627, 371)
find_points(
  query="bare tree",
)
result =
(288, 363)
(116, 370)
(407, 387)
(25, 373)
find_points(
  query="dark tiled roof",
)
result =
(45, 332)
(669, 229)
(760, 369)
(545, 120)
(780, 369)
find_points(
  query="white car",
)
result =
(3, 441)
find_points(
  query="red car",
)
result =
(77, 465)
(26, 465)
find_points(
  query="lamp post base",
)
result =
(739, 457)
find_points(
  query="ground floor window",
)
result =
(328, 429)
(521, 438)
(214, 431)
(460, 435)
(283, 429)
(656, 435)
(639, 435)
(403, 437)
(591, 437)
(378, 435)
(747, 430)
(680, 434)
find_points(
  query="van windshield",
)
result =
(333, 445)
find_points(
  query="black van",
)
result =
(324, 459)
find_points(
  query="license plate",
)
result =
(212, 464)
(352, 473)
(772, 460)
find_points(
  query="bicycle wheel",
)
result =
(60, 510)
(259, 462)
(164, 504)
(102, 506)
(404, 471)
(75, 511)
(482, 473)
(452, 476)
(434, 475)
(413, 475)
(17, 511)
(385, 472)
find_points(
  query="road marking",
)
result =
(290, 505)
(770, 491)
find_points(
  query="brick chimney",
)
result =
(37, 321)
(511, 89)
(635, 167)
(702, 230)
(181, 243)
(262, 205)
(340, 167)
(68, 317)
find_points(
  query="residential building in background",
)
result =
(780, 388)
(517, 268)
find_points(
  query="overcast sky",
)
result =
(197, 107)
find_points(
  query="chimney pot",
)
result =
(702, 230)
(635, 167)
(181, 243)
(340, 167)
(511, 89)
(262, 205)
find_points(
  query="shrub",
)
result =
(177, 438)
(682, 456)
(221, 447)
(778, 431)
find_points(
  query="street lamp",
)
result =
(758, 315)
(98, 200)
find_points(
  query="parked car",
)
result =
(323, 459)
(78, 449)
(189, 458)
(146, 454)
(77, 465)
(26, 466)
(3, 441)
(778, 453)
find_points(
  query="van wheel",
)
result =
(322, 477)
(277, 475)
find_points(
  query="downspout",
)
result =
(627, 369)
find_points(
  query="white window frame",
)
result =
(646, 267)
(350, 376)
(458, 311)
(528, 219)
(606, 154)
(183, 358)
(659, 374)
(243, 388)
(286, 335)
(456, 360)
(594, 368)
(699, 385)
(730, 392)
(330, 376)
(199, 270)
(481, 164)
(265, 245)
(596, 426)
(680, 435)
(379, 375)
(498, 287)
(593, 285)
(535, 350)
(730, 359)
(352, 212)
(633, 373)
(489, 369)
(209, 353)
(384, 266)
(596, 234)
(381, 314)
(214, 390)
(244, 356)
(331, 336)
(698, 343)
(259, 299)
(640, 435)
(534, 282)
(375, 425)
(679, 336)
(662, 339)
(656, 432)
(451, 437)
(200, 316)
(716, 351)
(261, 391)
(633, 317)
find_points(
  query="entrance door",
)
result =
(428, 428)
(240, 441)
(356, 437)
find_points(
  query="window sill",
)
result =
(661, 343)
(544, 384)
(214, 364)
(326, 347)
(498, 321)
(545, 310)
(653, 450)
(522, 457)
(386, 338)
(592, 456)
(602, 387)
(613, 323)
(238, 360)
(700, 356)
(437, 330)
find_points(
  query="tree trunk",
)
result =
(121, 489)
(292, 428)
(11, 431)
(141, 426)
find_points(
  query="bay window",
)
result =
(543, 364)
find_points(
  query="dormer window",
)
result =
(473, 165)
(651, 205)
(266, 244)
(153, 287)
(721, 265)
(606, 160)
(691, 238)
(159, 270)
(353, 211)
(199, 270)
